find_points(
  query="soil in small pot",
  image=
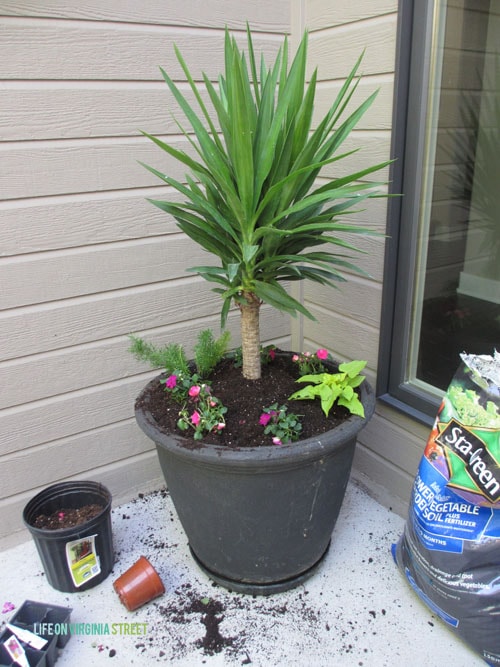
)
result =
(245, 400)
(67, 518)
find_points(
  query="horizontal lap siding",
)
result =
(322, 13)
(85, 109)
(36, 279)
(102, 361)
(85, 260)
(82, 51)
(69, 221)
(337, 39)
(39, 168)
(348, 319)
(196, 13)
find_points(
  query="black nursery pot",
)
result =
(258, 520)
(80, 557)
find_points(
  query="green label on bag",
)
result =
(469, 457)
(83, 561)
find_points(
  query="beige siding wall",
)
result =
(84, 259)
(348, 320)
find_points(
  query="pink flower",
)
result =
(60, 516)
(322, 354)
(171, 381)
(195, 418)
(220, 426)
(194, 391)
(7, 607)
(272, 354)
(264, 419)
(277, 441)
(295, 357)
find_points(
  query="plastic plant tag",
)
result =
(16, 651)
(27, 637)
(82, 559)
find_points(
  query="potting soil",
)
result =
(450, 548)
(67, 517)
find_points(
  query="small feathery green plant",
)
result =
(171, 357)
(208, 351)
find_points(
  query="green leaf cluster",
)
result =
(204, 414)
(283, 425)
(171, 357)
(335, 387)
(208, 351)
(251, 192)
(468, 410)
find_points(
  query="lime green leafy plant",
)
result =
(335, 387)
(251, 195)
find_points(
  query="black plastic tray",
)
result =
(29, 615)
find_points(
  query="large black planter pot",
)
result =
(258, 520)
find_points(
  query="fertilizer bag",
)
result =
(450, 547)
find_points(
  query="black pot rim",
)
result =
(221, 456)
(33, 507)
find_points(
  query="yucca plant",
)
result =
(251, 193)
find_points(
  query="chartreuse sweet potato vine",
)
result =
(335, 388)
(251, 194)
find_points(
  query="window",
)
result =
(443, 264)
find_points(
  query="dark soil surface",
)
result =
(67, 518)
(245, 400)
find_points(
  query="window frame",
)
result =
(414, 42)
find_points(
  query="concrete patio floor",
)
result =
(357, 610)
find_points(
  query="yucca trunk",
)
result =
(250, 337)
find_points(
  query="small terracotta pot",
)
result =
(139, 584)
